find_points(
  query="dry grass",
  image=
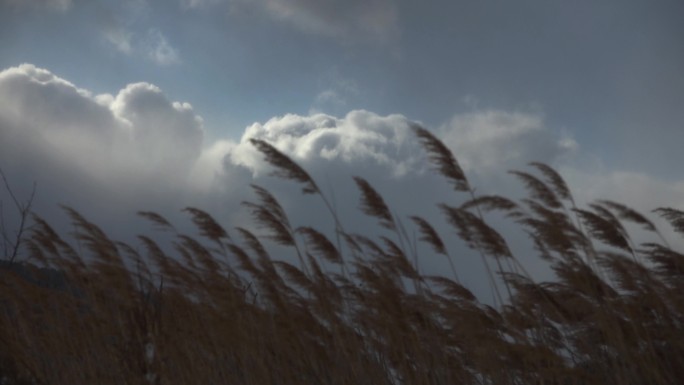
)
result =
(221, 309)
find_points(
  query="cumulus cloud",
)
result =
(109, 155)
(112, 140)
(138, 143)
(360, 138)
(384, 150)
(369, 19)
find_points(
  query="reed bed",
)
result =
(220, 308)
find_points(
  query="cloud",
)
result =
(360, 138)
(137, 147)
(110, 155)
(141, 127)
(488, 140)
(384, 150)
(336, 92)
(374, 20)
(159, 50)
(126, 30)
(329, 98)
(120, 38)
(641, 191)
(111, 141)
(154, 46)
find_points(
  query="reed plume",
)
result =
(223, 307)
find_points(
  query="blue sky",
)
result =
(594, 88)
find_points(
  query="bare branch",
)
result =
(11, 245)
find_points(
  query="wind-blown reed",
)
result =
(221, 308)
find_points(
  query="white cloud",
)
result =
(112, 140)
(109, 155)
(374, 20)
(140, 145)
(358, 139)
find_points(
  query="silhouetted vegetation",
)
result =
(221, 309)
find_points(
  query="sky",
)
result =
(116, 106)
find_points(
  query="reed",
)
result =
(221, 308)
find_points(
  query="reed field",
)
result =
(220, 308)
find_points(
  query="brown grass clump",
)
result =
(220, 308)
